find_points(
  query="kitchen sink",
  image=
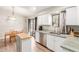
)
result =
(59, 34)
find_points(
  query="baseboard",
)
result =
(45, 47)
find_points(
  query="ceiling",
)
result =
(24, 10)
(38, 8)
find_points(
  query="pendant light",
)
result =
(12, 17)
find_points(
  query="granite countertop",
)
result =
(54, 34)
(71, 44)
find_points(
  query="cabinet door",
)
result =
(71, 16)
(39, 21)
(37, 36)
(78, 15)
(45, 19)
(49, 21)
(50, 42)
(58, 42)
(26, 45)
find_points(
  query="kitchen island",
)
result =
(24, 42)
(55, 42)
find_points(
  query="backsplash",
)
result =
(46, 27)
(75, 27)
(52, 29)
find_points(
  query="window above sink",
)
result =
(55, 20)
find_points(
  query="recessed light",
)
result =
(33, 8)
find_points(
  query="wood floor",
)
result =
(11, 47)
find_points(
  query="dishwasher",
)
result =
(42, 39)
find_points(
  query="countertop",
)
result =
(71, 44)
(44, 31)
(24, 36)
(54, 34)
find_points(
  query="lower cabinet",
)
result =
(54, 43)
(50, 42)
(58, 42)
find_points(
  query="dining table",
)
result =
(11, 34)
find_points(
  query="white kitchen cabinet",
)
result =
(54, 43)
(58, 42)
(37, 36)
(45, 19)
(50, 42)
(39, 21)
(71, 16)
(77, 15)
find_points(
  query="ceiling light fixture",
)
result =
(12, 17)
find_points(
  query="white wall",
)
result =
(9, 25)
(25, 25)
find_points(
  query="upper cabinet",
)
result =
(77, 15)
(45, 19)
(71, 16)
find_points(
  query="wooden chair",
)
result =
(12, 36)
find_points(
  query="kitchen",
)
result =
(54, 28)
